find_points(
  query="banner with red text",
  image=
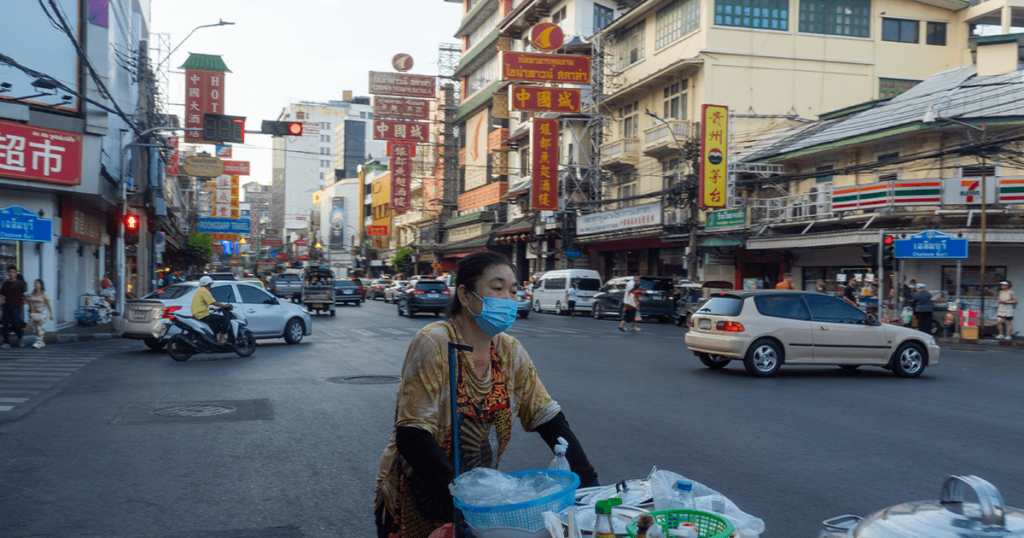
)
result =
(544, 154)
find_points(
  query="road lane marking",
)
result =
(13, 400)
(6, 407)
(392, 331)
(17, 376)
(363, 332)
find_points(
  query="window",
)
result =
(482, 76)
(625, 192)
(899, 30)
(588, 284)
(676, 20)
(251, 295)
(935, 33)
(670, 171)
(891, 87)
(484, 29)
(431, 286)
(629, 120)
(764, 14)
(558, 16)
(825, 168)
(362, 115)
(321, 176)
(832, 310)
(223, 294)
(369, 115)
(836, 17)
(171, 292)
(675, 101)
(630, 47)
(975, 171)
(602, 17)
(782, 306)
(723, 306)
(554, 283)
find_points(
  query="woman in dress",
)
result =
(37, 300)
(497, 383)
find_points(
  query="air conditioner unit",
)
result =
(671, 217)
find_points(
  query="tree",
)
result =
(403, 261)
(199, 248)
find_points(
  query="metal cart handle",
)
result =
(453, 376)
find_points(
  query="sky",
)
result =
(299, 50)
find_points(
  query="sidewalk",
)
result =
(988, 341)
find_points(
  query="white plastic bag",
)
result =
(906, 314)
(705, 499)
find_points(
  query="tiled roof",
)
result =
(208, 62)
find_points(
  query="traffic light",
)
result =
(281, 128)
(131, 229)
(221, 129)
(889, 251)
(870, 256)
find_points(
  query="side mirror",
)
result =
(873, 321)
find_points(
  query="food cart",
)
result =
(318, 290)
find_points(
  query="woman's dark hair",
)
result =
(12, 267)
(41, 285)
(471, 269)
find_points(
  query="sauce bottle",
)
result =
(643, 523)
(603, 527)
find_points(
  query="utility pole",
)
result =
(449, 199)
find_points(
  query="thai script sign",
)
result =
(402, 85)
(726, 219)
(533, 67)
(38, 154)
(377, 230)
(20, 224)
(620, 219)
(930, 244)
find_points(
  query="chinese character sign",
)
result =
(204, 94)
(401, 177)
(400, 108)
(39, 154)
(401, 131)
(171, 169)
(539, 99)
(544, 153)
(714, 146)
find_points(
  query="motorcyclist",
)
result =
(201, 303)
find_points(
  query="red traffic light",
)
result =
(295, 128)
(888, 239)
(131, 222)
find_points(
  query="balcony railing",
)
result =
(620, 154)
(798, 207)
(664, 138)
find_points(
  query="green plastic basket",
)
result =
(708, 525)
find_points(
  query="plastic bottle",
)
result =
(603, 527)
(682, 498)
(559, 462)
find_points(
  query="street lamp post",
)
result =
(691, 258)
(221, 22)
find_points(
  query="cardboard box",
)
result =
(969, 332)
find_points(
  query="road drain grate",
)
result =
(366, 379)
(194, 411)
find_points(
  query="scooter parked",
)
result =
(197, 337)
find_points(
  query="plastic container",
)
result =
(682, 498)
(527, 515)
(708, 525)
(559, 462)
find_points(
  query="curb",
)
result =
(985, 342)
(74, 338)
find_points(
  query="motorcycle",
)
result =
(197, 337)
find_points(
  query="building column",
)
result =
(1007, 18)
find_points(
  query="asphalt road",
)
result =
(85, 448)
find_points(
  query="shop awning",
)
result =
(463, 254)
(469, 246)
(721, 242)
(520, 225)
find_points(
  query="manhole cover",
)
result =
(367, 379)
(194, 411)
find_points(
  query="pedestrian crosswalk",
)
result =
(27, 374)
(519, 330)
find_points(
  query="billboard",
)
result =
(544, 156)
(476, 150)
(534, 67)
(402, 85)
(204, 94)
(401, 131)
(714, 157)
(401, 178)
(401, 108)
(212, 225)
(29, 36)
(540, 99)
(38, 154)
(338, 221)
(236, 168)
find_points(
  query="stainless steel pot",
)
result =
(950, 517)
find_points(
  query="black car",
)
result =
(655, 297)
(423, 296)
(347, 292)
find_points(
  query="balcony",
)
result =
(664, 138)
(622, 153)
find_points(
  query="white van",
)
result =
(549, 292)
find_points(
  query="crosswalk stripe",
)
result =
(12, 391)
(6, 407)
(37, 369)
(392, 331)
(20, 375)
(13, 400)
(363, 332)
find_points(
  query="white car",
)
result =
(146, 319)
(392, 292)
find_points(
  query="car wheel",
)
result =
(936, 328)
(332, 313)
(763, 358)
(715, 362)
(664, 319)
(359, 303)
(849, 367)
(437, 314)
(524, 314)
(293, 332)
(908, 361)
(400, 309)
(154, 344)
(598, 312)
(178, 349)
(536, 306)
(558, 308)
(386, 301)
(246, 344)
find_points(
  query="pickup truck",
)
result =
(287, 286)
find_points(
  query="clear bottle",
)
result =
(603, 527)
(559, 462)
(682, 498)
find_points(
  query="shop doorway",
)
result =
(766, 274)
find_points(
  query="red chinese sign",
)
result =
(534, 67)
(302, 258)
(301, 243)
(401, 108)
(544, 154)
(236, 168)
(39, 154)
(402, 85)
(204, 94)
(80, 222)
(282, 255)
(376, 230)
(401, 177)
(172, 167)
(271, 242)
(538, 99)
(390, 148)
(714, 147)
(400, 131)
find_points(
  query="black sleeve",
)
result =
(557, 427)
(426, 458)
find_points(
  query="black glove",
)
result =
(432, 472)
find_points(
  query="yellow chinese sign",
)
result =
(714, 155)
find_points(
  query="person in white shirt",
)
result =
(630, 305)
(570, 299)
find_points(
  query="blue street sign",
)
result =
(930, 244)
(224, 226)
(20, 224)
(573, 254)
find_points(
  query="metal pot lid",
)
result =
(949, 517)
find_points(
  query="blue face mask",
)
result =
(497, 315)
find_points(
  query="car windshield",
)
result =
(651, 284)
(722, 306)
(287, 278)
(383, 282)
(431, 286)
(221, 276)
(401, 283)
(171, 292)
(588, 284)
(344, 284)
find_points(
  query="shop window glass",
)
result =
(762, 14)
(899, 30)
(630, 47)
(676, 20)
(936, 33)
(836, 17)
(602, 17)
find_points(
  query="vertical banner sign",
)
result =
(222, 198)
(338, 222)
(401, 177)
(204, 91)
(714, 146)
(171, 169)
(234, 197)
(544, 153)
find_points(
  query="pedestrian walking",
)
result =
(820, 287)
(570, 299)
(786, 284)
(631, 304)
(923, 308)
(1004, 314)
(12, 297)
(37, 300)
(850, 294)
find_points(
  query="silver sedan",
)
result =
(394, 291)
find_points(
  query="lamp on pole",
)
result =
(221, 22)
(691, 258)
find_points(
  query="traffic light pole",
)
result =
(881, 272)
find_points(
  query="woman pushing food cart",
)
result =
(495, 383)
